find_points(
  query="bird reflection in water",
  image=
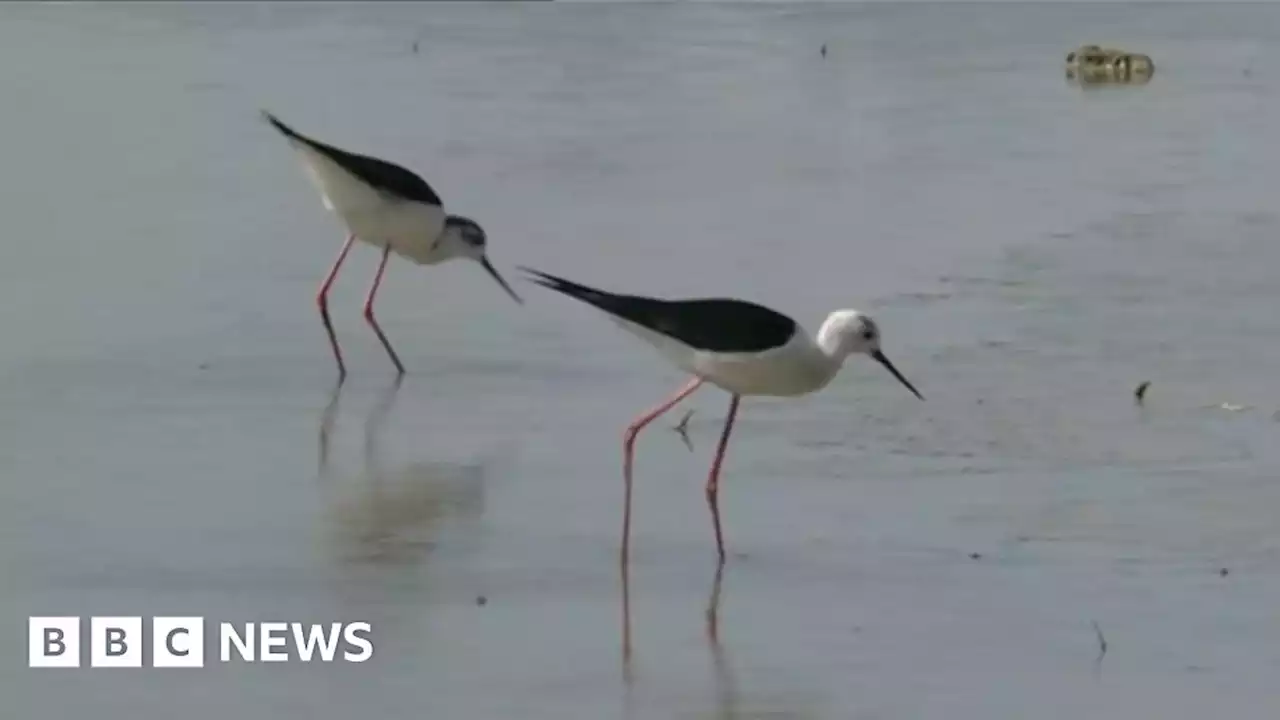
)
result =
(726, 686)
(724, 678)
(327, 419)
(395, 514)
(731, 703)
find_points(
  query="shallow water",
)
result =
(173, 444)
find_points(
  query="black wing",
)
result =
(713, 324)
(385, 176)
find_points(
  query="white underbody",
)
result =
(411, 229)
(797, 368)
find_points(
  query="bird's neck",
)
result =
(827, 357)
(448, 245)
(829, 341)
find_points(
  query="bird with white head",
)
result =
(391, 208)
(738, 346)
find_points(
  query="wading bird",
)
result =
(738, 346)
(389, 208)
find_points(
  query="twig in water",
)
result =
(1102, 642)
(1141, 392)
(682, 427)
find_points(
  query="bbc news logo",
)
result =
(179, 642)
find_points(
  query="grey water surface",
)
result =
(171, 442)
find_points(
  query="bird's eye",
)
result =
(868, 334)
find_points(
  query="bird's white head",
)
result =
(463, 237)
(849, 332)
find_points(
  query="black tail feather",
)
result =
(292, 134)
(711, 324)
(567, 287)
(278, 125)
(385, 176)
(609, 302)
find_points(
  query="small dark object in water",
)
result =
(1140, 393)
(1102, 642)
(1223, 572)
(682, 427)
(415, 47)
(824, 50)
(204, 366)
(975, 556)
(481, 600)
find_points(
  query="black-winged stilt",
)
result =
(738, 346)
(388, 207)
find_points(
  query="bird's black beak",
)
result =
(880, 358)
(484, 261)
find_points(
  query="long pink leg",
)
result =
(322, 299)
(628, 451)
(368, 309)
(713, 480)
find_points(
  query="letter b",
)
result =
(115, 642)
(53, 642)
(116, 646)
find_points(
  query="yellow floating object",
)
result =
(1092, 64)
